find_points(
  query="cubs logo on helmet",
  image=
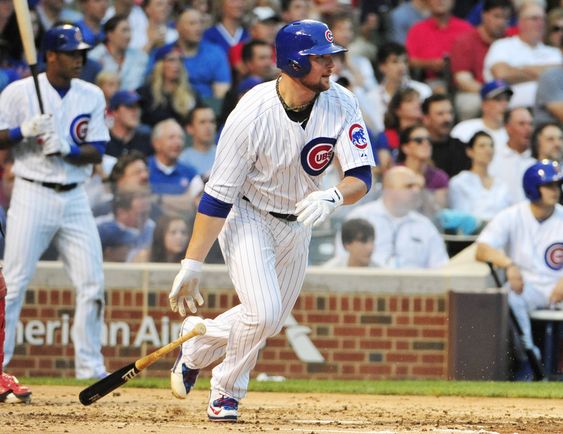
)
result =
(317, 155)
(329, 37)
(554, 256)
(79, 128)
(358, 136)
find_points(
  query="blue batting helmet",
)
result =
(298, 40)
(64, 37)
(541, 173)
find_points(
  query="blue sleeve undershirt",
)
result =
(212, 207)
(363, 173)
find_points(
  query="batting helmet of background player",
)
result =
(298, 40)
(64, 37)
(542, 173)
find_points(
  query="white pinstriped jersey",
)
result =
(79, 118)
(273, 161)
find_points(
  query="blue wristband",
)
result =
(74, 151)
(15, 134)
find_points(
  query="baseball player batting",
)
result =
(49, 202)
(261, 201)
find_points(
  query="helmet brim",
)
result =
(322, 51)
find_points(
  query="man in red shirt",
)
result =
(468, 54)
(430, 41)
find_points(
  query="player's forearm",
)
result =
(5, 140)
(352, 189)
(88, 155)
(498, 258)
(205, 232)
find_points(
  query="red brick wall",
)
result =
(361, 336)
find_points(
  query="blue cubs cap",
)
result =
(112, 235)
(124, 97)
(163, 51)
(495, 88)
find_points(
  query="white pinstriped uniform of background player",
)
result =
(269, 167)
(49, 201)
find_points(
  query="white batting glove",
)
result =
(317, 206)
(185, 288)
(37, 125)
(54, 145)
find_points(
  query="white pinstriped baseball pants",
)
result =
(267, 259)
(36, 216)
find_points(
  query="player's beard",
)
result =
(317, 87)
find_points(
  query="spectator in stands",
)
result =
(137, 19)
(403, 17)
(130, 173)
(158, 31)
(116, 241)
(295, 10)
(257, 66)
(126, 134)
(516, 157)
(358, 240)
(547, 142)
(415, 153)
(393, 67)
(478, 191)
(468, 55)
(93, 12)
(495, 96)
(207, 65)
(170, 239)
(201, 125)
(521, 59)
(404, 110)
(54, 11)
(448, 153)
(525, 241)
(168, 93)
(263, 27)
(229, 30)
(405, 238)
(554, 34)
(115, 54)
(131, 213)
(109, 83)
(430, 41)
(358, 69)
(175, 184)
(549, 97)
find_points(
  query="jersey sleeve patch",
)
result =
(554, 256)
(317, 155)
(358, 136)
(79, 128)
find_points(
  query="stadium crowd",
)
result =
(461, 96)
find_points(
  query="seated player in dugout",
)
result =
(526, 240)
(262, 199)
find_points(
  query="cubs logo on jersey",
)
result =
(79, 128)
(358, 136)
(554, 256)
(317, 155)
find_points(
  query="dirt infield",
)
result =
(57, 410)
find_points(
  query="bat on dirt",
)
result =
(123, 375)
(535, 363)
(28, 41)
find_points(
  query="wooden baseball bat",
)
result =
(28, 41)
(123, 375)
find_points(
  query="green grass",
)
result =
(405, 387)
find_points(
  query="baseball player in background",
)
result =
(53, 154)
(526, 240)
(261, 200)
